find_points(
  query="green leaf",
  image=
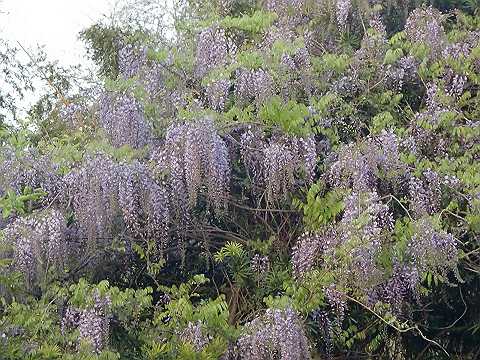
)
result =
(392, 55)
(290, 116)
(258, 22)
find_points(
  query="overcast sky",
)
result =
(53, 23)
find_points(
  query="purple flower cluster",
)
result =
(92, 323)
(153, 79)
(133, 63)
(104, 191)
(296, 69)
(274, 163)
(194, 335)
(33, 170)
(253, 84)
(95, 196)
(169, 161)
(402, 284)
(279, 32)
(122, 118)
(359, 166)
(337, 302)
(425, 193)
(348, 85)
(196, 161)
(310, 249)
(326, 330)
(217, 93)
(38, 243)
(212, 51)
(363, 224)
(424, 26)
(144, 203)
(277, 334)
(74, 114)
(454, 81)
(252, 142)
(131, 60)
(375, 22)
(342, 9)
(402, 72)
(422, 126)
(278, 169)
(288, 11)
(283, 7)
(373, 46)
(431, 249)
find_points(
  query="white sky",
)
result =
(53, 23)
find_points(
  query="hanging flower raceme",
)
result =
(194, 334)
(144, 203)
(290, 12)
(105, 191)
(425, 193)
(278, 334)
(276, 163)
(365, 223)
(94, 187)
(74, 114)
(196, 161)
(424, 26)
(455, 80)
(422, 127)
(217, 93)
(253, 84)
(92, 322)
(122, 117)
(38, 243)
(133, 62)
(212, 51)
(401, 286)
(433, 250)
(350, 247)
(31, 170)
(343, 8)
(360, 166)
(310, 248)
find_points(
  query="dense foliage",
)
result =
(287, 179)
